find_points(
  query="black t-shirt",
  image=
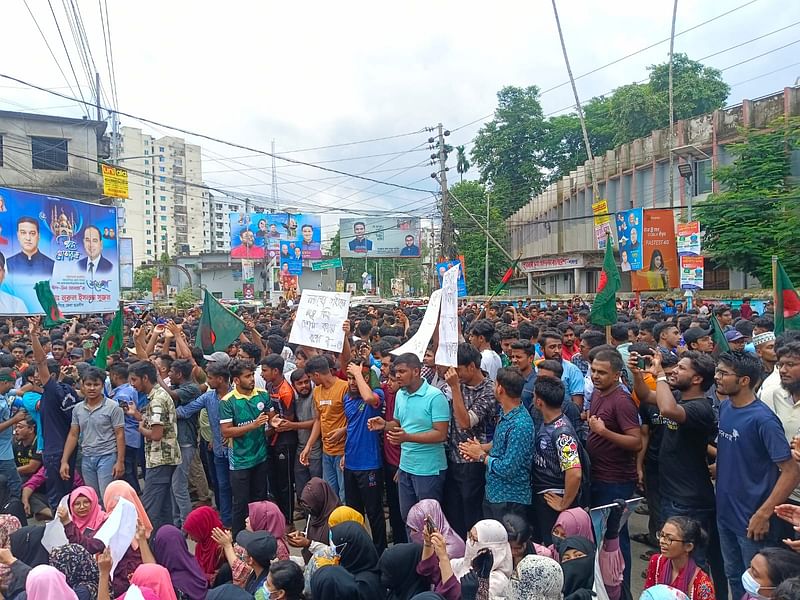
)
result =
(655, 423)
(23, 455)
(57, 402)
(683, 464)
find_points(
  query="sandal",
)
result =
(644, 538)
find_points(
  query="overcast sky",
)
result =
(311, 74)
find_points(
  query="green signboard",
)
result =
(330, 263)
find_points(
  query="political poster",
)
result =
(126, 262)
(660, 269)
(291, 258)
(629, 239)
(319, 319)
(380, 237)
(692, 272)
(602, 223)
(259, 235)
(688, 238)
(72, 244)
(443, 267)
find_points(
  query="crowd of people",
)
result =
(274, 471)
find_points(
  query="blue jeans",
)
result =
(8, 469)
(97, 471)
(181, 501)
(57, 488)
(223, 489)
(413, 488)
(132, 468)
(333, 474)
(737, 552)
(606, 493)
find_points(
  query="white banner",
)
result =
(319, 320)
(447, 352)
(419, 342)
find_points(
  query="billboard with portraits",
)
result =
(259, 235)
(380, 237)
(72, 244)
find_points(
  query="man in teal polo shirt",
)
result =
(421, 418)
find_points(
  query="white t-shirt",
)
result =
(490, 362)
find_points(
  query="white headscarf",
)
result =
(492, 535)
(536, 578)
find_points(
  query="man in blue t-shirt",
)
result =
(8, 467)
(363, 468)
(421, 419)
(755, 469)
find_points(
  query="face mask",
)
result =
(751, 586)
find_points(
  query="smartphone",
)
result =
(429, 526)
(161, 321)
(122, 404)
(643, 362)
(140, 321)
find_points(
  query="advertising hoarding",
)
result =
(380, 237)
(259, 235)
(660, 259)
(629, 238)
(72, 244)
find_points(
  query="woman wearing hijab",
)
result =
(87, 515)
(359, 557)
(79, 568)
(171, 552)
(344, 514)
(154, 577)
(675, 566)
(577, 564)
(10, 505)
(199, 525)
(398, 567)
(416, 526)
(319, 500)
(536, 578)
(487, 535)
(574, 522)
(267, 516)
(48, 583)
(8, 525)
(663, 592)
(334, 583)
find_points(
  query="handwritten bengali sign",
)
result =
(419, 341)
(447, 352)
(319, 320)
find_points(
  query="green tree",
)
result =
(143, 278)
(758, 214)
(462, 162)
(186, 298)
(470, 239)
(511, 150)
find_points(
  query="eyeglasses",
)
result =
(666, 538)
(723, 373)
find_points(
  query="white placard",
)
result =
(419, 341)
(319, 320)
(118, 531)
(54, 534)
(447, 352)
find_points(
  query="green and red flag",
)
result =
(604, 307)
(720, 341)
(506, 277)
(53, 316)
(787, 302)
(111, 342)
(218, 327)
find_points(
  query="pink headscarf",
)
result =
(96, 515)
(416, 523)
(576, 523)
(121, 489)
(48, 583)
(266, 516)
(155, 577)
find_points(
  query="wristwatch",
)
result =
(482, 458)
(662, 378)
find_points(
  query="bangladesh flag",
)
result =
(604, 307)
(506, 277)
(218, 328)
(52, 314)
(111, 342)
(720, 342)
(787, 302)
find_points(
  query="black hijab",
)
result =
(398, 566)
(26, 545)
(578, 572)
(359, 557)
(9, 505)
(333, 583)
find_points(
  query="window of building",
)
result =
(146, 153)
(162, 169)
(162, 188)
(161, 148)
(219, 206)
(149, 252)
(148, 243)
(164, 218)
(162, 198)
(49, 154)
(163, 208)
(147, 161)
(160, 159)
(163, 228)
(147, 222)
(147, 193)
(162, 178)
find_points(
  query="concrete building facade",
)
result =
(52, 155)
(554, 231)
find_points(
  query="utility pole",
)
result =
(672, 111)
(275, 202)
(448, 233)
(486, 257)
(97, 90)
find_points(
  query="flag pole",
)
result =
(498, 288)
(774, 284)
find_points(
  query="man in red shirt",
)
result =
(569, 345)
